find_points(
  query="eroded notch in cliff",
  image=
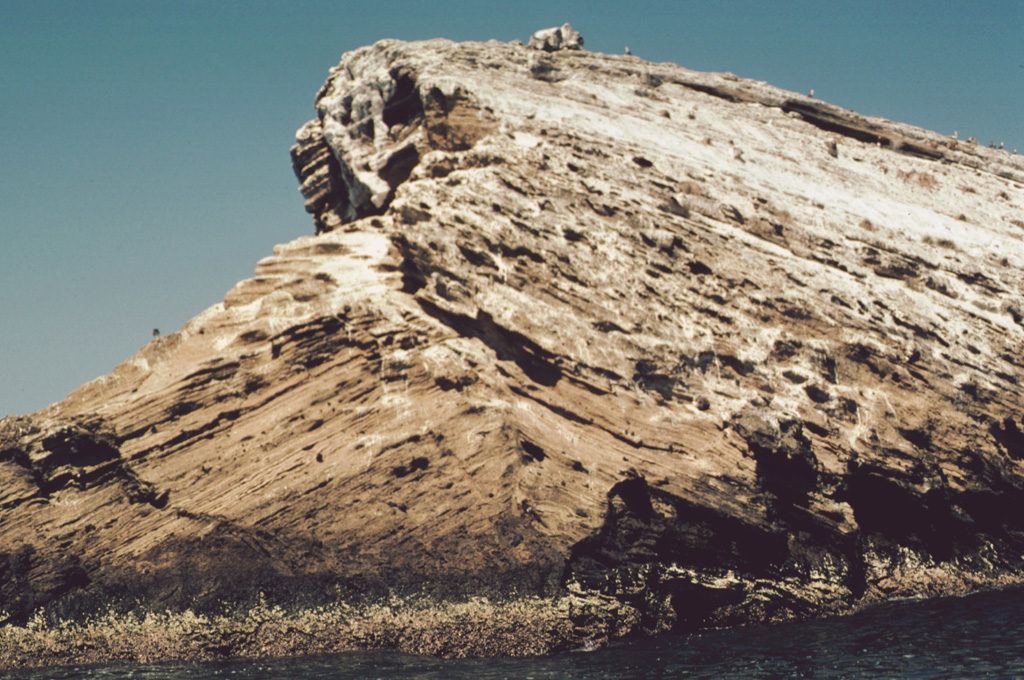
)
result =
(77, 447)
(77, 454)
(403, 107)
(397, 169)
(672, 561)
(828, 121)
(895, 510)
(1010, 437)
(822, 117)
(786, 464)
(455, 122)
(536, 362)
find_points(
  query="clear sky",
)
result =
(144, 163)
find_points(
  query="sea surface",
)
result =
(979, 636)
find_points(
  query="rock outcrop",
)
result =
(563, 37)
(630, 347)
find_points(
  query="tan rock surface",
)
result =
(665, 348)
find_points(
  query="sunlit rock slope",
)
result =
(644, 347)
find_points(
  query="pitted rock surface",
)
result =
(684, 348)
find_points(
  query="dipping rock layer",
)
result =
(655, 349)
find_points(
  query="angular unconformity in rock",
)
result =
(665, 349)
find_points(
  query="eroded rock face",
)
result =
(665, 349)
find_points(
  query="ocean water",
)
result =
(979, 636)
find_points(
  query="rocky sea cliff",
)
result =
(581, 347)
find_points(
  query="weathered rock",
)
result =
(562, 37)
(663, 349)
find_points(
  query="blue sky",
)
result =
(144, 161)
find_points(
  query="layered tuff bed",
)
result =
(582, 342)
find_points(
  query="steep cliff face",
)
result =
(664, 349)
